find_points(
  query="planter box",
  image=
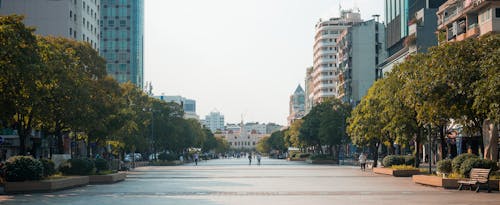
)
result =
(321, 161)
(446, 183)
(436, 181)
(45, 185)
(396, 173)
(107, 179)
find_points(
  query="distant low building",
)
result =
(242, 139)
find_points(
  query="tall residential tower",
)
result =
(325, 67)
(122, 39)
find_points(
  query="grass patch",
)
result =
(106, 172)
(454, 176)
(403, 167)
(56, 176)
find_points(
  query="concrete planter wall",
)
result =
(321, 161)
(396, 173)
(446, 183)
(107, 179)
(45, 185)
(296, 159)
(436, 181)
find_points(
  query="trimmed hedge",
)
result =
(168, 157)
(77, 167)
(49, 167)
(470, 163)
(101, 165)
(321, 157)
(390, 160)
(457, 161)
(23, 168)
(444, 166)
(409, 160)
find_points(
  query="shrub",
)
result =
(23, 168)
(168, 157)
(409, 160)
(101, 165)
(457, 161)
(321, 157)
(444, 166)
(49, 168)
(470, 163)
(77, 167)
(391, 160)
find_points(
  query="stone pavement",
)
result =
(232, 181)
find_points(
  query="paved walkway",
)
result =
(276, 182)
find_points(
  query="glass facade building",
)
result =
(122, 37)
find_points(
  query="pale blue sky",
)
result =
(236, 56)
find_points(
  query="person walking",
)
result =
(196, 157)
(249, 159)
(362, 161)
(258, 159)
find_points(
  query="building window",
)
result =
(497, 12)
(83, 20)
(70, 13)
(70, 31)
(83, 5)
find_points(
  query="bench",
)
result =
(477, 177)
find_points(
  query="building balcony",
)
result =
(462, 9)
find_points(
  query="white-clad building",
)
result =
(214, 121)
(75, 19)
(325, 63)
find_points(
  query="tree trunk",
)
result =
(490, 140)
(442, 143)
(417, 148)
(375, 144)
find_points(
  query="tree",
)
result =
(365, 126)
(20, 76)
(292, 134)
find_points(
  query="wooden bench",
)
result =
(477, 177)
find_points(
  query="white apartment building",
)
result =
(75, 19)
(325, 63)
(214, 121)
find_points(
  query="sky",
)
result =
(238, 57)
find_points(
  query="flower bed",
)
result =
(396, 173)
(107, 178)
(48, 185)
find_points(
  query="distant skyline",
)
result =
(240, 57)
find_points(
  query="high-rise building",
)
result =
(411, 26)
(462, 19)
(296, 105)
(122, 37)
(360, 49)
(214, 121)
(188, 105)
(325, 64)
(308, 90)
(74, 19)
